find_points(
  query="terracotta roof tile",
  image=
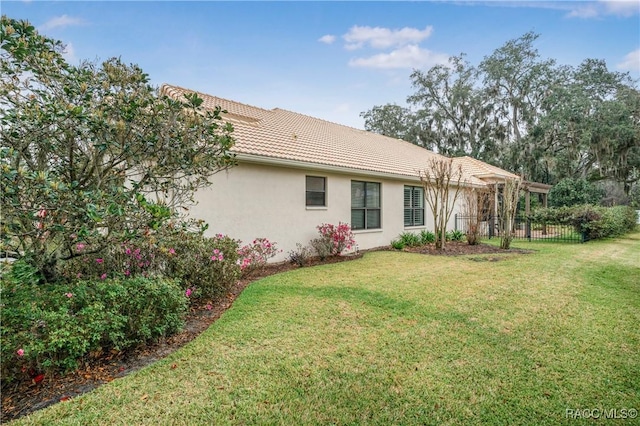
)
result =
(283, 134)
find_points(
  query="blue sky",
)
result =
(330, 60)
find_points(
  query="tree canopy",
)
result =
(93, 154)
(524, 113)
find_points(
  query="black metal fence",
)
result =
(524, 229)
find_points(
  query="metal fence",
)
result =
(524, 229)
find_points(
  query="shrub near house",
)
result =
(592, 222)
(118, 298)
(102, 262)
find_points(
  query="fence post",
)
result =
(528, 228)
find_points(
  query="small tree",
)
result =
(475, 201)
(92, 155)
(442, 183)
(507, 205)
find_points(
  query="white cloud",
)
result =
(631, 62)
(411, 56)
(61, 22)
(585, 12)
(577, 9)
(328, 39)
(621, 7)
(624, 8)
(383, 38)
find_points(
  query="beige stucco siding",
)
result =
(257, 200)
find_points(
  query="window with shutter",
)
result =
(413, 206)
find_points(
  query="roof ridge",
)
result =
(325, 120)
(202, 94)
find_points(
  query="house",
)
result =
(296, 172)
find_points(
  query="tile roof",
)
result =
(481, 169)
(286, 135)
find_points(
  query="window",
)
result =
(413, 206)
(365, 205)
(316, 191)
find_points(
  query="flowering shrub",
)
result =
(206, 267)
(336, 238)
(51, 328)
(135, 257)
(254, 256)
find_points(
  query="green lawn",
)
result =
(400, 338)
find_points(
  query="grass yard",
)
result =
(402, 338)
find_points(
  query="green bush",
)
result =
(571, 192)
(455, 235)
(592, 222)
(427, 237)
(397, 244)
(54, 327)
(410, 239)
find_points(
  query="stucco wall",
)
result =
(253, 200)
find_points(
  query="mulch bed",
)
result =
(26, 396)
(459, 248)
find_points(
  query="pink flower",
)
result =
(41, 213)
(127, 251)
(172, 251)
(127, 273)
(78, 275)
(209, 307)
(80, 246)
(20, 352)
(188, 292)
(69, 295)
(99, 261)
(103, 276)
(216, 251)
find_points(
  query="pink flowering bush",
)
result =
(256, 255)
(205, 265)
(334, 239)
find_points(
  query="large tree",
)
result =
(92, 155)
(591, 124)
(455, 109)
(517, 79)
(526, 114)
(398, 122)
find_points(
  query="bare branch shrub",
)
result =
(442, 183)
(475, 204)
(507, 211)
